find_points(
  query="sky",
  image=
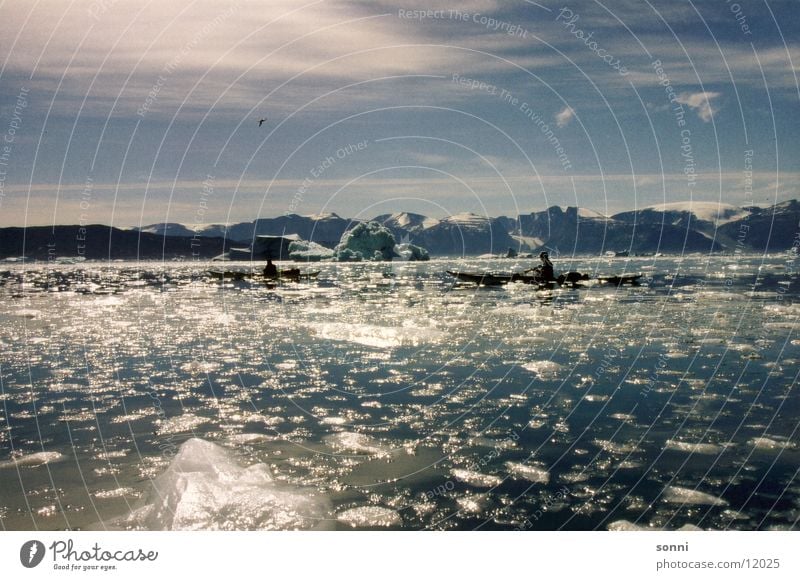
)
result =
(134, 112)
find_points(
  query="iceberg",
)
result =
(204, 488)
(367, 241)
(411, 253)
(307, 251)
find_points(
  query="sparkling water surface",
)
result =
(385, 395)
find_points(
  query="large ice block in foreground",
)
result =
(204, 488)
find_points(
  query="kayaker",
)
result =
(270, 270)
(546, 269)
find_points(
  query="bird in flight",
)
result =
(261, 122)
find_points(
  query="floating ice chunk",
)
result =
(493, 443)
(370, 517)
(379, 336)
(27, 313)
(476, 478)
(116, 492)
(411, 253)
(699, 448)
(307, 251)
(767, 444)
(250, 438)
(197, 367)
(32, 460)
(683, 495)
(530, 472)
(612, 447)
(185, 422)
(689, 528)
(205, 489)
(626, 526)
(356, 443)
(596, 398)
(574, 477)
(333, 420)
(544, 369)
(472, 504)
(623, 417)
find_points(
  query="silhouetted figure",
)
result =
(546, 269)
(261, 122)
(270, 270)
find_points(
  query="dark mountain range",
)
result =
(667, 228)
(98, 242)
(771, 229)
(325, 229)
(575, 231)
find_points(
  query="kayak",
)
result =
(570, 279)
(292, 275)
(229, 275)
(493, 279)
(482, 279)
(295, 275)
(631, 279)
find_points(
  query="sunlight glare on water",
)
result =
(149, 396)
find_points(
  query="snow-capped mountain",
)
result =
(704, 214)
(406, 222)
(669, 228)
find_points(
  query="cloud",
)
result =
(565, 116)
(701, 103)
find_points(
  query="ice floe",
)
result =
(358, 443)
(181, 423)
(379, 336)
(476, 478)
(31, 460)
(684, 495)
(527, 471)
(370, 517)
(768, 444)
(699, 448)
(544, 369)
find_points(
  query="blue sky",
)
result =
(127, 112)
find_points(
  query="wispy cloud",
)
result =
(701, 103)
(565, 116)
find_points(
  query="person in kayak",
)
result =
(545, 270)
(270, 270)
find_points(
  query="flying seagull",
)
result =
(261, 122)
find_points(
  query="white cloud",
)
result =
(701, 103)
(565, 116)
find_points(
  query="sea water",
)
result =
(389, 396)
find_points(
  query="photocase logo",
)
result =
(31, 553)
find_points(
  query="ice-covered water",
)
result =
(147, 395)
